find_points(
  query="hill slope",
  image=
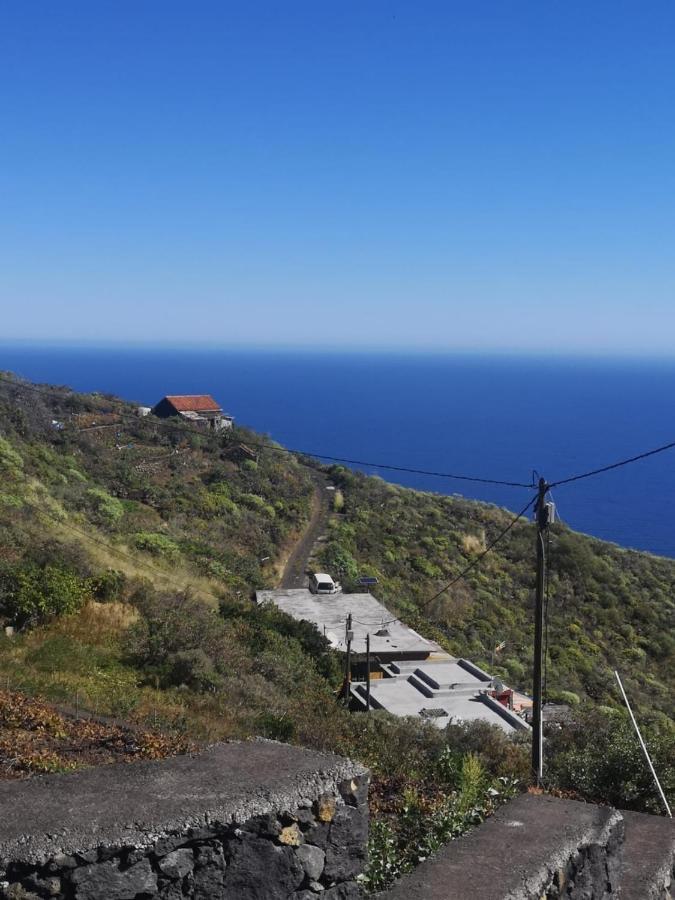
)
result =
(129, 548)
(609, 608)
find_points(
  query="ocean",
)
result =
(492, 417)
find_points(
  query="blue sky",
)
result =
(474, 176)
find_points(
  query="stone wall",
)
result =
(265, 821)
(535, 847)
(256, 821)
(542, 848)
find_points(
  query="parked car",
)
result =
(320, 583)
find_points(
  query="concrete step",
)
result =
(648, 858)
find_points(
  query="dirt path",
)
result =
(294, 575)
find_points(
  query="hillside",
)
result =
(144, 531)
(608, 608)
(129, 548)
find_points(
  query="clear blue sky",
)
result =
(475, 175)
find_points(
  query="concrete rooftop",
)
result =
(329, 613)
(455, 687)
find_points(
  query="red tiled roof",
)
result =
(194, 403)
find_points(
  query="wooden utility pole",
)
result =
(368, 672)
(541, 511)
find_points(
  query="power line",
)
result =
(472, 565)
(185, 429)
(481, 557)
(616, 465)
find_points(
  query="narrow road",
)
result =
(294, 575)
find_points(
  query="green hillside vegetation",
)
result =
(120, 542)
(129, 550)
(86, 472)
(609, 608)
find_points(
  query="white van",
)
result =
(320, 583)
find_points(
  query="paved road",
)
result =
(295, 571)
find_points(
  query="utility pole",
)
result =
(541, 511)
(349, 634)
(368, 672)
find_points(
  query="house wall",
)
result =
(163, 409)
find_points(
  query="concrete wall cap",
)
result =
(138, 804)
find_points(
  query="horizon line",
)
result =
(344, 349)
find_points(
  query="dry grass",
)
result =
(133, 565)
(36, 738)
(473, 543)
(98, 623)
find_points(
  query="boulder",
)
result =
(109, 881)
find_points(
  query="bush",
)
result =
(599, 758)
(109, 509)
(276, 727)
(498, 752)
(423, 823)
(193, 668)
(171, 624)
(339, 560)
(108, 586)
(157, 544)
(10, 460)
(31, 594)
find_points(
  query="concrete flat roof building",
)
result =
(388, 639)
(440, 691)
(414, 676)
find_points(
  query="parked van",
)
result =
(320, 583)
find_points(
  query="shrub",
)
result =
(170, 624)
(108, 586)
(30, 594)
(157, 544)
(10, 460)
(498, 752)
(193, 668)
(109, 509)
(423, 824)
(339, 560)
(568, 697)
(599, 757)
(276, 727)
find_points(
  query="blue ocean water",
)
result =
(493, 417)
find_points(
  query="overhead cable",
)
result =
(472, 565)
(616, 465)
(163, 423)
(478, 559)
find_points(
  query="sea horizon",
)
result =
(641, 357)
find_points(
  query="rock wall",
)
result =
(256, 821)
(265, 821)
(535, 847)
(541, 848)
